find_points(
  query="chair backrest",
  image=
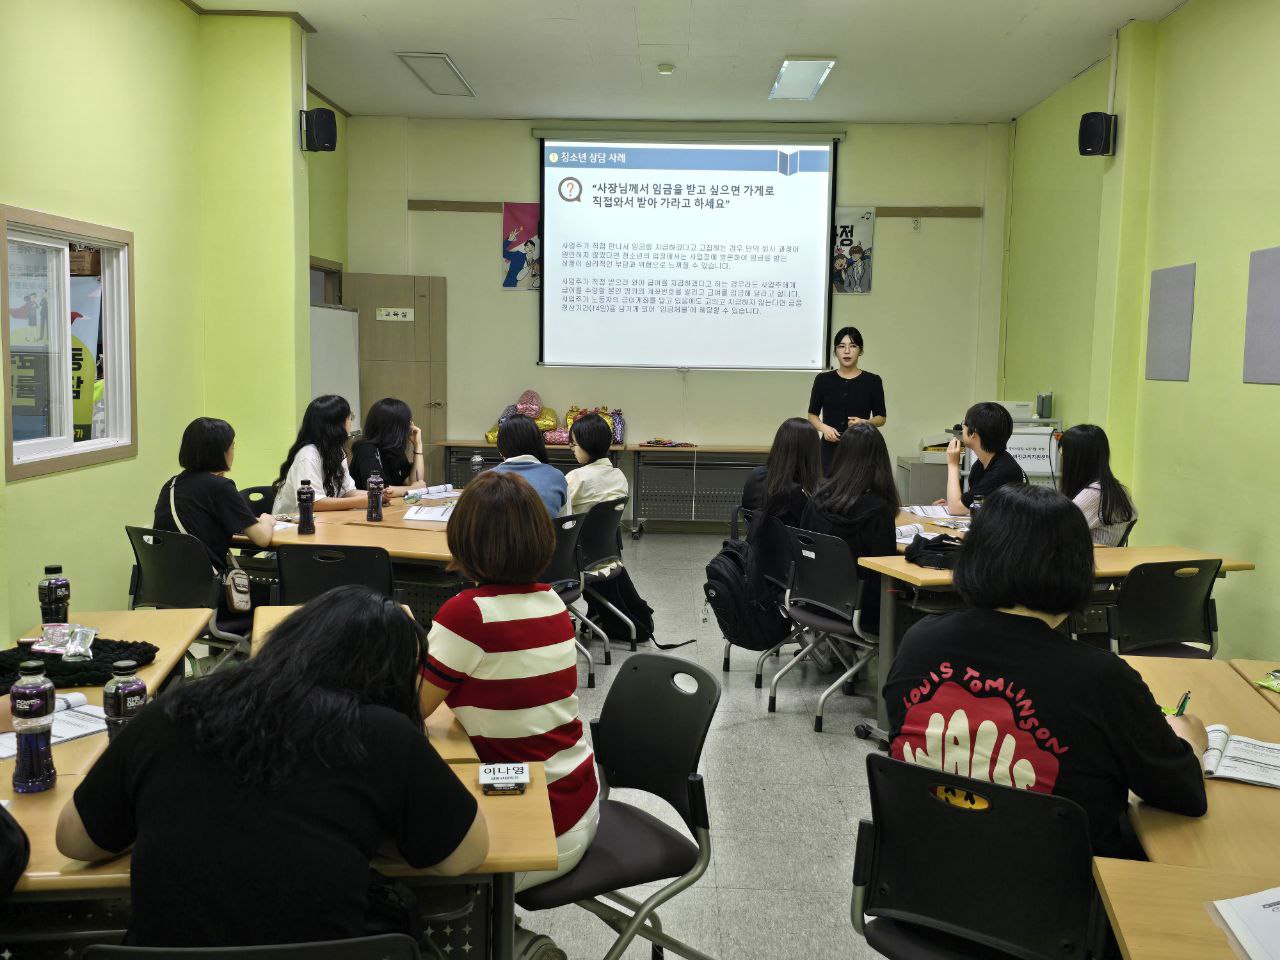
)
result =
(259, 499)
(563, 568)
(173, 570)
(747, 516)
(772, 547)
(387, 946)
(1163, 603)
(306, 570)
(598, 541)
(946, 849)
(823, 574)
(1124, 538)
(653, 726)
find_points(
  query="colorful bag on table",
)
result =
(546, 420)
(559, 436)
(619, 426)
(530, 404)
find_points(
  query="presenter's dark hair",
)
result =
(1028, 546)
(860, 465)
(992, 423)
(794, 458)
(500, 531)
(1086, 459)
(205, 443)
(324, 424)
(387, 424)
(851, 332)
(592, 434)
(299, 697)
(519, 436)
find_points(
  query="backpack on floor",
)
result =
(622, 593)
(746, 607)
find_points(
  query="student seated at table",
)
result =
(858, 502)
(781, 487)
(1087, 479)
(392, 445)
(209, 505)
(524, 452)
(597, 479)
(986, 431)
(255, 798)
(319, 454)
(996, 693)
(501, 654)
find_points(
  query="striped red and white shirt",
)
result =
(506, 656)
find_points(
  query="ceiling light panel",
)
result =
(800, 78)
(438, 73)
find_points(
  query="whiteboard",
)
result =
(335, 354)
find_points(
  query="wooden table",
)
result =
(1160, 912)
(1253, 670)
(1238, 834)
(173, 631)
(443, 729)
(424, 543)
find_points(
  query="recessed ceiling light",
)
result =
(438, 74)
(666, 69)
(800, 78)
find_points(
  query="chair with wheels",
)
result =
(1166, 610)
(600, 560)
(306, 571)
(825, 600)
(172, 570)
(564, 577)
(963, 906)
(387, 946)
(649, 737)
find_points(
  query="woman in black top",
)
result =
(858, 502)
(997, 693)
(389, 436)
(209, 505)
(846, 395)
(782, 486)
(254, 798)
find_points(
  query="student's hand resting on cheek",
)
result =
(955, 450)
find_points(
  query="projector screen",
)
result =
(686, 255)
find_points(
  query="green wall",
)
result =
(327, 186)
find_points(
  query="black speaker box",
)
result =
(1097, 134)
(319, 129)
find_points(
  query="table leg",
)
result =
(888, 645)
(503, 941)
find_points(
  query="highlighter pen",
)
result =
(1182, 704)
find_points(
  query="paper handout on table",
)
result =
(908, 532)
(1241, 758)
(1252, 923)
(929, 511)
(74, 718)
(438, 514)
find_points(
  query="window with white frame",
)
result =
(68, 343)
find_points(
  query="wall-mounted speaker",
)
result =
(1097, 134)
(319, 129)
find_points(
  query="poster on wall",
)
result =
(86, 315)
(521, 247)
(852, 235)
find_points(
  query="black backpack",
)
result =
(622, 593)
(746, 607)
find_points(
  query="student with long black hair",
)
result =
(255, 798)
(389, 436)
(999, 694)
(524, 452)
(1087, 479)
(781, 487)
(319, 454)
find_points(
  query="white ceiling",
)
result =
(897, 60)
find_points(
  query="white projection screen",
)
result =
(709, 255)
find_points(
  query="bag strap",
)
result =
(177, 522)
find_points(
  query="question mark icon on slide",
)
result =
(571, 190)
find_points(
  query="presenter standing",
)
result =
(846, 395)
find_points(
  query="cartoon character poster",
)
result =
(852, 236)
(521, 247)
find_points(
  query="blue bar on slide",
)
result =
(737, 159)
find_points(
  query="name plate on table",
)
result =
(504, 777)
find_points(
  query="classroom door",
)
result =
(403, 327)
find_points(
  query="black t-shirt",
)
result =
(217, 864)
(15, 851)
(984, 481)
(753, 494)
(1004, 698)
(868, 529)
(838, 399)
(212, 510)
(366, 457)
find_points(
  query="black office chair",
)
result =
(600, 560)
(825, 600)
(933, 864)
(387, 946)
(1161, 609)
(307, 571)
(649, 737)
(772, 546)
(259, 499)
(172, 570)
(564, 577)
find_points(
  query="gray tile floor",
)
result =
(784, 801)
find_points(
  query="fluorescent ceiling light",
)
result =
(800, 78)
(438, 74)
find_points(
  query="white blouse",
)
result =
(307, 465)
(1089, 500)
(594, 483)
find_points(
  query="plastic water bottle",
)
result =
(375, 486)
(123, 696)
(32, 700)
(306, 508)
(975, 506)
(55, 595)
(477, 463)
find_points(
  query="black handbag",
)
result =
(936, 553)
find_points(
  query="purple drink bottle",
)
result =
(306, 508)
(55, 595)
(32, 700)
(123, 696)
(375, 486)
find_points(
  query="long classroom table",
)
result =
(1252, 670)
